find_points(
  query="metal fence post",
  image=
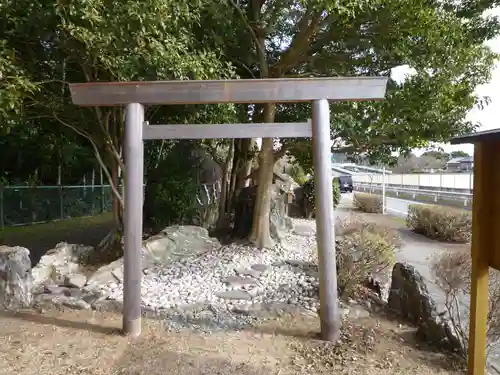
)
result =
(2, 222)
(102, 192)
(61, 202)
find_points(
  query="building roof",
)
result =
(455, 160)
(462, 159)
(477, 137)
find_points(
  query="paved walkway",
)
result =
(419, 251)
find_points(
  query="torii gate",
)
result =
(134, 95)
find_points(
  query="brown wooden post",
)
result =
(482, 236)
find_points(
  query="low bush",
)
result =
(368, 202)
(310, 195)
(452, 274)
(362, 250)
(441, 223)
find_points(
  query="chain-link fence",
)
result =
(21, 205)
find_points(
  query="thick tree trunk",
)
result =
(261, 233)
(223, 219)
(242, 165)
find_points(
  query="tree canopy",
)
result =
(47, 44)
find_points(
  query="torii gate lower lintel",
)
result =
(134, 95)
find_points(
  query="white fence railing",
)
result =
(425, 181)
(432, 196)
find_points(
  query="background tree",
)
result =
(459, 154)
(441, 41)
(56, 43)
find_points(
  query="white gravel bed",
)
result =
(200, 279)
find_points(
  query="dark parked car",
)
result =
(345, 183)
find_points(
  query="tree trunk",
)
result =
(242, 165)
(261, 233)
(222, 221)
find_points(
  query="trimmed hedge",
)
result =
(368, 202)
(440, 223)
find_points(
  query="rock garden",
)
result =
(191, 280)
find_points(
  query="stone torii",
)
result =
(318, 91)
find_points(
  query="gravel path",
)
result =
(218, 287)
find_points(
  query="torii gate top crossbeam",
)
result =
(280, 90)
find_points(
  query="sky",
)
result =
(488, 117)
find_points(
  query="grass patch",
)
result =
(39, 238)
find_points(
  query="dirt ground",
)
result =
(89, 343)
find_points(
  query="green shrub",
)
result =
(297, 173)
(310, 194)
(368, 202)
(172, 188)
(362, 250)
(441, 223)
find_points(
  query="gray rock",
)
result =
(248, 272)
(357, 312)
(410, 298)
(105, 275)
(54, 289)
(92, 297)
(296, 263)
(304, 230)
(15, 277)
(50, 301)
(177, 242)
(260, 267)
(118, 274)
(234, 295)
(237, 281)
(63, 260)
(75, 280)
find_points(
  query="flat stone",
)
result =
(304, 230)
(234, 295)
(75, 303)
(75, 280)
(260, 267)
(92, 297)
(357, 312)
(248, 272)
(246, 309)
(54, 289)
(74, 292)
(236, 281)
(296, 263)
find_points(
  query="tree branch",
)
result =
(97, 155)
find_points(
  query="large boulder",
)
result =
(15, 277)
(280, 222)
(409, 297)
(171, 244)
(65, 259)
